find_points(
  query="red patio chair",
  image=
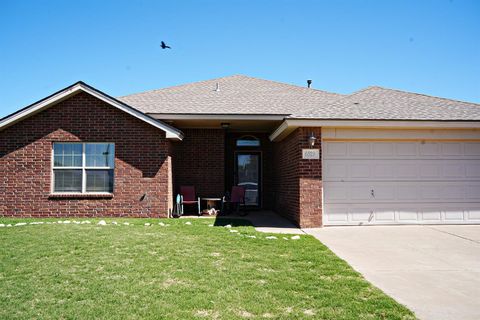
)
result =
(188, 197)
(237, 198)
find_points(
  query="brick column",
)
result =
(310, 181)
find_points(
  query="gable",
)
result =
(170, 132)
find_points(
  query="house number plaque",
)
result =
(311, 154)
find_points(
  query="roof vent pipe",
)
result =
(309, 83)
(217, 87)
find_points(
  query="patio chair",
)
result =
(187, 196)
(236, 199)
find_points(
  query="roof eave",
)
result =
(289, 125)
(45, 103)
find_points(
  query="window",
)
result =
(83, 167)
(248, 141)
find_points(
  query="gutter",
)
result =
(289, 125)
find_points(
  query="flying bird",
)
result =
(164, 46)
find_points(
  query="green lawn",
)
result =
(180, 271)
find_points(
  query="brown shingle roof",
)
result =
(240, 94)
(376, 103)
(237, 94)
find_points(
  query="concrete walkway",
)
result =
(269, 222)
(433, 270)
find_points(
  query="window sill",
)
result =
(80, 196)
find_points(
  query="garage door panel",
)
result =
(454, 215)
(473, 192)
(401, 182)
(359, 149)
(335, 150)
(390, 191)
(393, 150)
(411, 170)
(472, 149)
(361, 215)
(384, 215)
(431, 215)
(405, 215)
(383, 150)
(473, 214)
(454, 170)
(451, 149)
(430, 149)
(409, 149)
(473, 170)
(337, 215)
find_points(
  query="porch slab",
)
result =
(269, 222)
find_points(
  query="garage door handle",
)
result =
(372, 193)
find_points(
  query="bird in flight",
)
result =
(164, 46)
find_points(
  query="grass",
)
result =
(58, 271)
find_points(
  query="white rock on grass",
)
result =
(148, 224)
(228, 226)
(295, 237)
(210, 225)
(102, 223)
(188, 223)
(20, 224)
(2, 225)
(67, 222)
(126, 223)
(76, 222)
(234, 231)
(253, 237)
(85, 222)
(115, 222)
(9, 225)
(161, 224)
(271, 238)
(285, 238)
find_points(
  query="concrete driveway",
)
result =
(433, 270)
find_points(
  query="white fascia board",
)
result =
(170, 132)
(200, 116)
(290, 124)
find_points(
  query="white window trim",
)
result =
(84, 168)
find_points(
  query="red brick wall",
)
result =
(141, 162)
(298, 182)
(198, 160)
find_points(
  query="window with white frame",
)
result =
(83, 167)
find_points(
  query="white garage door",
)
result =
(401, 182)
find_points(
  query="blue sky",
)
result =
(430, 47)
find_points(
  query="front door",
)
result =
(247, 175)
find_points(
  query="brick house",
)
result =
(377, 156)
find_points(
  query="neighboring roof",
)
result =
(171, 132)
(236, 94)
(376, 103)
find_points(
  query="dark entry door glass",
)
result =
(248, 176)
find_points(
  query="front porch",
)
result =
(274, 175)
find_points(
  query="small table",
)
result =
(211, 204)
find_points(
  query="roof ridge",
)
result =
(226, 77)
(180, 85)
(290, 85)
(423, 95)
